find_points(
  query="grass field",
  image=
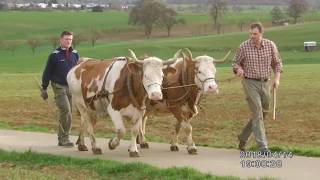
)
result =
(30, 165)
(289, 40)
(298, 109)
(22, 25)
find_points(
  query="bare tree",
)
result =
(169, 19)
(77, 39)
(1, 44)
(146, 13)
(241, 24)
(11, 46)
(33, 44)
(297, 8)
(54, 41)
(218, 9)
(95, 34)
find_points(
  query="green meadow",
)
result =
(289, 40)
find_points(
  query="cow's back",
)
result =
(86, 79)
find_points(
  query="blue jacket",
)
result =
(58, 65)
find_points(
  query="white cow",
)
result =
(118, 88)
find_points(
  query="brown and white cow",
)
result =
(182, 93)
(117, 88)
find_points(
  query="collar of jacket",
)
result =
(64, 49)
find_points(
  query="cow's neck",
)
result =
(136, 90)
(131, 91)
(185, 94)
(193, 90)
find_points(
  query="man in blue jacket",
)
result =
(58, 65)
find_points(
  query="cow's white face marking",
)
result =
(152, 77)
(205, 74)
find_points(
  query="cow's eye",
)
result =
(199, 72)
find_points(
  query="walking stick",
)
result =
(274, 103)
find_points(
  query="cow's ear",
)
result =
(169, 71)
(134, 68)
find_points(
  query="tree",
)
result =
(11, 46)
(241, 24)
(77, 40)
(297, 8)
(169, 18)
(54, 41)
(33, 44)
(276, 14)
(218, 9)
(146, 13)
(94, 36)
(97, 9)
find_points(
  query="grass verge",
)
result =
(104, 169)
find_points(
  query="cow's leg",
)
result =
(136, 128)
(141, 139)
(118, 124)
(90, 131)
(88, 128)
(174, 139)
(80, 142)
(188, 130)
(175, 135)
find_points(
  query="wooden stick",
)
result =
(274, 103)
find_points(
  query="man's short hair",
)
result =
(66, 33)
(257, 25)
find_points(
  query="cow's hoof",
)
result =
(192, 151)
(96, 151)
(174, 148)
(82, 147)
(110, 146)
(144, 145)
(133, 154)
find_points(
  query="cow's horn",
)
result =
(188, 52)
(133, 55)
(174, 59)
(219, 61)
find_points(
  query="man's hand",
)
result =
(44, 94)
(276, 84)
(239, 72)
(276, 81)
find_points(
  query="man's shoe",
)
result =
(265, 152)
(242, 144)
(66, 144)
